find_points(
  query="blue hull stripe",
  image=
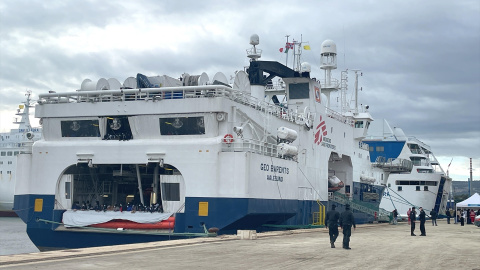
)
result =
(227, 214)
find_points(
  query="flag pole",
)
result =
(286, 60)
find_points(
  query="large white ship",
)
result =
(12, 143)
(193, 154)
(416, 178)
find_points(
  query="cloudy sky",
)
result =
(420, 59)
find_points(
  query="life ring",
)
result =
(228, 138)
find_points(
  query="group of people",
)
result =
(466, 215)
(412, 217)
(130, 207)
(333, 219)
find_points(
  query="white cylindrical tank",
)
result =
(287, 134)
(88, 85)
(284, 149)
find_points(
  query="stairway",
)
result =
(380, 213)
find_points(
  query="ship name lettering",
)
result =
(273, 168)
(275, 178)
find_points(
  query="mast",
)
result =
(356, 89)
(286, 60)
(24, 123)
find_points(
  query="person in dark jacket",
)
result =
(421, 217)
(412, 217)
(433, 215)
(331, 220)
(346, 222)
(449, 215)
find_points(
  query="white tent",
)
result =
(472, 202)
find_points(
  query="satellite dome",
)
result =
(306, 67)
(254, 39)
(328, 46)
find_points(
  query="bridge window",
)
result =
(358, 124)
(118, 128)
(399, 188)
(298, 91)
(425, 188)
(9, 153)
(80, 128)
(379, 149)
(182, 126)
(417, 188)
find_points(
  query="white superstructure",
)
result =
(12, 143)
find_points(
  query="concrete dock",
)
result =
(374, 246)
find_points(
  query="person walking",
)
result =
(332, 222)
(408, 214)
(395, 217)
(411, 217)
(467, 216)
(448, 216)
(346, 223)
(462, 218)
(421, 217)
(433, 215)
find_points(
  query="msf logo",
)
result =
(320, 131)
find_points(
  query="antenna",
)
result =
(356, 88)
(254, 53)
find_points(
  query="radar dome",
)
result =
(306, 67)
(328, 46)
(254, 39)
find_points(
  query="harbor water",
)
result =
(14, 239)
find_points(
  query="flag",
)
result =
(286, 50)
(289, 45)
(281, 49)
(306, 47)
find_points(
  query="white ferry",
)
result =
(198, 154)
(18, 140)
(416, 178)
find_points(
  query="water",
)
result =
(13, 237)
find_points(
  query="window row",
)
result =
(119, 127)
(416, 183)
(417, 188)
(9, 153)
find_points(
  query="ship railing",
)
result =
(181, 92)
(249, 145)
(334, 83)
(339, 117)
(355, 204)
(393, 165)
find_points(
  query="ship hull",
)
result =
(229, 215)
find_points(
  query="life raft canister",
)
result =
(228, 138)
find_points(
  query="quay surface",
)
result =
(374, 246)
